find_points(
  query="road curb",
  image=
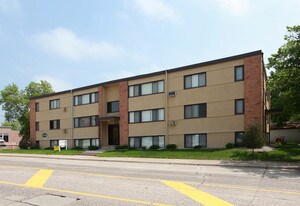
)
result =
(266, 165)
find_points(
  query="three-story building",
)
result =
(208, 104)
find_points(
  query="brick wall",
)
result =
(13, 137)
(253, 88)
(32, 122)
(123, 103)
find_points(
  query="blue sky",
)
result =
(74, 43)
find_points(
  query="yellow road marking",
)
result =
(197, 195)
(39, 179)
(86, 194)
(158, 180)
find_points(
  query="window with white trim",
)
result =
(86, 99)
(147, 141)
(152, 115)
(146, 89)
(90, 121)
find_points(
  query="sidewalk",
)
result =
(220, 163)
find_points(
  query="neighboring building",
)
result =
(10, 137)
(208, 104)
(290, 131)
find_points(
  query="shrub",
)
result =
(121, 147)
(229, 146)
(253, 137)
(92, 147)
(154, 147)
(143, 148)
(78, 148)
(24, 143)
(171, 146)
(35, 147)
(238, 144)
(132, 148)
(197, 147)
(47, 148)
(278, 144)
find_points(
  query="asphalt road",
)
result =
(40, 181)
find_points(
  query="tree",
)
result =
(15, 125)
(284, 82)
(253, 137)
(15, 103)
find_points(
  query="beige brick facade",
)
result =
(139, 110)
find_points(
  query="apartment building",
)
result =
(208, 104)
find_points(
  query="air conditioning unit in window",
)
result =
(65, 131)
(65, 109)
(172, 123)
(172, 94)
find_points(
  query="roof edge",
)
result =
(216, 61)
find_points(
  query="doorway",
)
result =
(113, 134)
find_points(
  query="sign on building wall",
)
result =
(63, 144)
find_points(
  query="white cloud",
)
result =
(235, 7)
(66, 43)
(57, 84)
(10, 6)
(156, 9)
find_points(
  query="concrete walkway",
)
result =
(221, 163)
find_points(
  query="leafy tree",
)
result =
(253, 137)
(284, 82)
(15, 103)
(15, 125)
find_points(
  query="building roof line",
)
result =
(202, 64)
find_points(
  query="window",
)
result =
(147, 116)
(37, 126)
(239, 73)
(239, 106)
(195, 111)
(239, 137)
(37, 107)
(112, 107)
(86, 98)
(53, 143)
(85, 143)
(147, 142)
(192, 140)
(54, 104)
(85, 121)
(195, 80)
(146, 89)
(55, 124)
(5, 137)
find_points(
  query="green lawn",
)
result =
(41, 151)
(285, 153)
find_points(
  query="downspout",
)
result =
(72, 119)
(166, 109)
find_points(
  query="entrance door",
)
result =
(113, 134)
